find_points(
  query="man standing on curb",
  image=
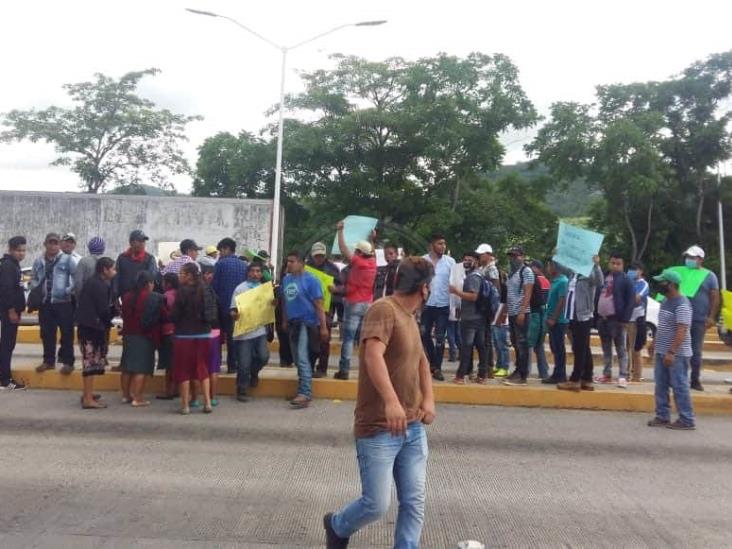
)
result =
(672, 351)
(131, 262)
(520, 285)
(229, 273)
(436, 313)
(319, 261)
(12, 305)
(704, 297)
(394, 403)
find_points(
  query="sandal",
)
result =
(140, 403)
(94, 396)
(95, 406)
(207, 409)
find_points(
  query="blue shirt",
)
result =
(700, 302)
(229, 272)
(558, 290)
(641, 289)
(673, 312)
(440, 286)
(300, 293)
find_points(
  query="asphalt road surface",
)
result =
(260, 475)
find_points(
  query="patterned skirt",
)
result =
(93, 344)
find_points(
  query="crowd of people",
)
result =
(179, 317)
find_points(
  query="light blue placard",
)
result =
(576, 247)
(357, 227)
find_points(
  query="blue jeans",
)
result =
(612, 332)
(541, 362)
(472, 333)
(675, 376)
(435, 318)
(354, 313)
(500, 342)
(380, 457)
(698, 329)
(252, 356)
(454, 341)
(559, 350)
(300, 345)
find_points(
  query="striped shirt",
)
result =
(674, 311)
(516, 290)
(175, 265)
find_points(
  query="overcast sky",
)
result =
(212, 68)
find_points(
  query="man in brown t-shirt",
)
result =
(394, 403)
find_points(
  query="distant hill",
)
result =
(572, 201)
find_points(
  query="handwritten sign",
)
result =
(326, 281)
(576, 247)
(357, 227)
(255, 309)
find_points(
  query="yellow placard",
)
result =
(326, 281)
(255, 309)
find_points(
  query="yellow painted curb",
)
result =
(492, 395)
(32, 335)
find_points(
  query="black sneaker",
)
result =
(679, 425)
(319, 373)
(696, 386)
(340, 375)
(332, 541)
(242, 397)
(514, 376)
(551, 381)
(254, 380)
(658, 422)
(515, 381)
(12, 385)
(437, 374)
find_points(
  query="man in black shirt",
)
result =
(12, 304)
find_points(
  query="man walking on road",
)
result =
(671, 355)
(394, 403)
(703, 292)
(436, 312)
(12, 305)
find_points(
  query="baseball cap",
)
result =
(695, 251)
(68, 237)
(484, 249)
(318, 249)
(52, 236)
(516, 250)
(211, 250)
(188, 244)
(668, 275)
(138, 235)
(365, 247)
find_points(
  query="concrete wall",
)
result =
(164, 219)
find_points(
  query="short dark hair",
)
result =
(412, 273)
(256, 265)
(296, 254)
(16, 242)
(638, 266)
(436, 236)
(171, 279)
(104, 263)
(471, 253)
(226, 243)
(391, 246)
(617, 255)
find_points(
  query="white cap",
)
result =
(484, 249)
(695, 251)
(365, 247)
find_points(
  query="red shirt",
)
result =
(361, 276)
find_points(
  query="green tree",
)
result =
(111, 135)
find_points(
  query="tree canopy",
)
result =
(110, 136)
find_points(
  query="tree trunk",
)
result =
(699, 210)
(647, 236)
(633, 238)
(456, 194)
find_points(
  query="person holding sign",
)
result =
(701, 286)
(359, 293)
(303, 319)
(319, 265)
(251, 347)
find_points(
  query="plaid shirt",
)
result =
(229, 272)
(175, 265)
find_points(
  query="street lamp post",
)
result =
(275, 227)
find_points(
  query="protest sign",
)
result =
(255, 309)
(356, 227)
(326, 281)
(576, 248)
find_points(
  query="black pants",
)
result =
(8, 336)
(53, 317)
(320, 359)
(227, 329)
(583, 365)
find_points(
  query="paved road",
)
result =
(259, 475)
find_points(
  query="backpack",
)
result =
(488, 298)
(540, 292)
(503, 280)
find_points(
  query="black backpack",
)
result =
(488, 298)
